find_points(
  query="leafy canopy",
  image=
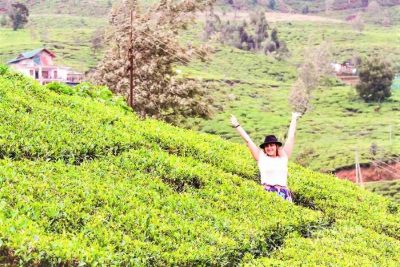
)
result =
(376, 77)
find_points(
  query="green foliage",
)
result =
(246, 35)
(271, 4)
(86, 182)
(390, 189)
(3, 69)
(3, 21)
(85, 89)
(376, 76)
(61, 88)
(347, 245)
(18, 15)
(141, 69)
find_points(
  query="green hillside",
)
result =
(303, 6)
(250, 85)
(255, 87)
(94, 8)
(86, 182)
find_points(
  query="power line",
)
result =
(389, 171)
(381, 162)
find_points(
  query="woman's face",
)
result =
(270, 149)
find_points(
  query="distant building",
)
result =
(346, 72)
(345, 68)
(39, 65)
(3, 8)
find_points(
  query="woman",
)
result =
(272, 158)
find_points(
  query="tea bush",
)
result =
(83, 181)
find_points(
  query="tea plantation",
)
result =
(85, 182)
(389, 189)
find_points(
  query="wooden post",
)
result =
(359, 179)
(357, 166)
(360, 176)
(131, 63)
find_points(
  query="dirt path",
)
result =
(277, 17)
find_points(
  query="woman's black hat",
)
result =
(270, 139)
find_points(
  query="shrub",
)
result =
(3, 69)
(376, 76)
(61, 88)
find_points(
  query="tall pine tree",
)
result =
(150, 39)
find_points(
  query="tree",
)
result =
(274, 37)
(374, 8)
(329, 4)
(96, 41)
(315, 67)
(271, 4)
(238, 5)
(144, 46)
(305, 10)
(299, 97)
(358, 23)
(18, 15)
(212, 25)
(3, 21)
(376, 14)
(386, 20)
(376, 77)
(260, 29)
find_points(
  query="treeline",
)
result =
(253, 35)
(16, 15)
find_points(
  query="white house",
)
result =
(39, 65)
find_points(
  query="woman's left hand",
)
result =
(296, 115)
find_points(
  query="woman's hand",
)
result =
(296, 115)
(234, 121)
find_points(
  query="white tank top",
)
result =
(273, 170)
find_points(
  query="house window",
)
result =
(45, 74)
(55, 74)
(31, 73)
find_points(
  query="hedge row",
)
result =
(83, 181)
(40, 124)
(340, 199)
(123, 211)
(345, 245)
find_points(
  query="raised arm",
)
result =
(289, 144)
(250, 144)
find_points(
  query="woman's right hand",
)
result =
(234, 121)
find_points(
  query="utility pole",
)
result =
(131, 62)
(359, 179)
(356, 165)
